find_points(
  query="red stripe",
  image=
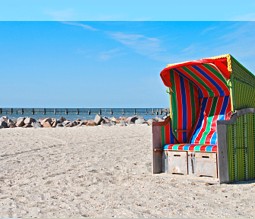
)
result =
(191, 148)
(215, 118)
(189, 107)
(207, 112)
(167, 134)
(204, 79)
(214, 148)
(170, 146)
(202, 148)
(179, 106)
(202, 88)
(215, 78)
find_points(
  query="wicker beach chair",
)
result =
(211, 127)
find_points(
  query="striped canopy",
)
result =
(209, 76)
(199, 96)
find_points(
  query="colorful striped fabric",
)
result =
(199, 97)
(185, 106)
(167, 136)
(191, 147)
(212, 110)
(207, 78)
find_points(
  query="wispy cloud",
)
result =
(84, 26)
(109, 54)
(208, 30)
(240, 39)
(141, 44)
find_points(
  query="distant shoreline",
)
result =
(81, 113)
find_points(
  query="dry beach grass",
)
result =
(104, 172)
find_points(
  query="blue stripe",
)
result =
(193, 83)
(184, 108)
(210, 79)
(201, 117)
(171, 135)
(214, 138)
(209, 148)
(224, 105)
(166, 147)
(186, 147)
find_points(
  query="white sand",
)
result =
(104, 172)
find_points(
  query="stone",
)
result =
(82, 123)
(59, 125)
(54, 122)
(159, 119)
(106, 124)
(10, 123)
(27, 126)
(140, 121)
(36, 124)
(29, 120)
(20, 122)
(61, 119)
(113, 119)
(131, 119)
(46, 124)
(150, 121)
(3, 124)
(98, 119)
(91, 123)
(67, 123)
(12, 126)
(75, 123)
(122, 123)
(4, 118)
(105, 120)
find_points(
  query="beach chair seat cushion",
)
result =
(191, 147)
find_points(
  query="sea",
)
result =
(82, 113)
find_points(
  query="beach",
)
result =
(104, 171)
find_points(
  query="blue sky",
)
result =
(138, 10)
(107, 64)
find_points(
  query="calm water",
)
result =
(81, 113)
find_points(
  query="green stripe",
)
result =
(175, 147)
(193, 106)
(209, 121)
(215, 72)
(197, 148)
(200, 81)
(174, 103)
(163, 139)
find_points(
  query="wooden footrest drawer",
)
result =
(178, 162)
(206, 164)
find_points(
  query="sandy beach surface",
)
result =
(104, 172)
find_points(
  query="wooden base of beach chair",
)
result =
(177, 162)
(206, 164)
